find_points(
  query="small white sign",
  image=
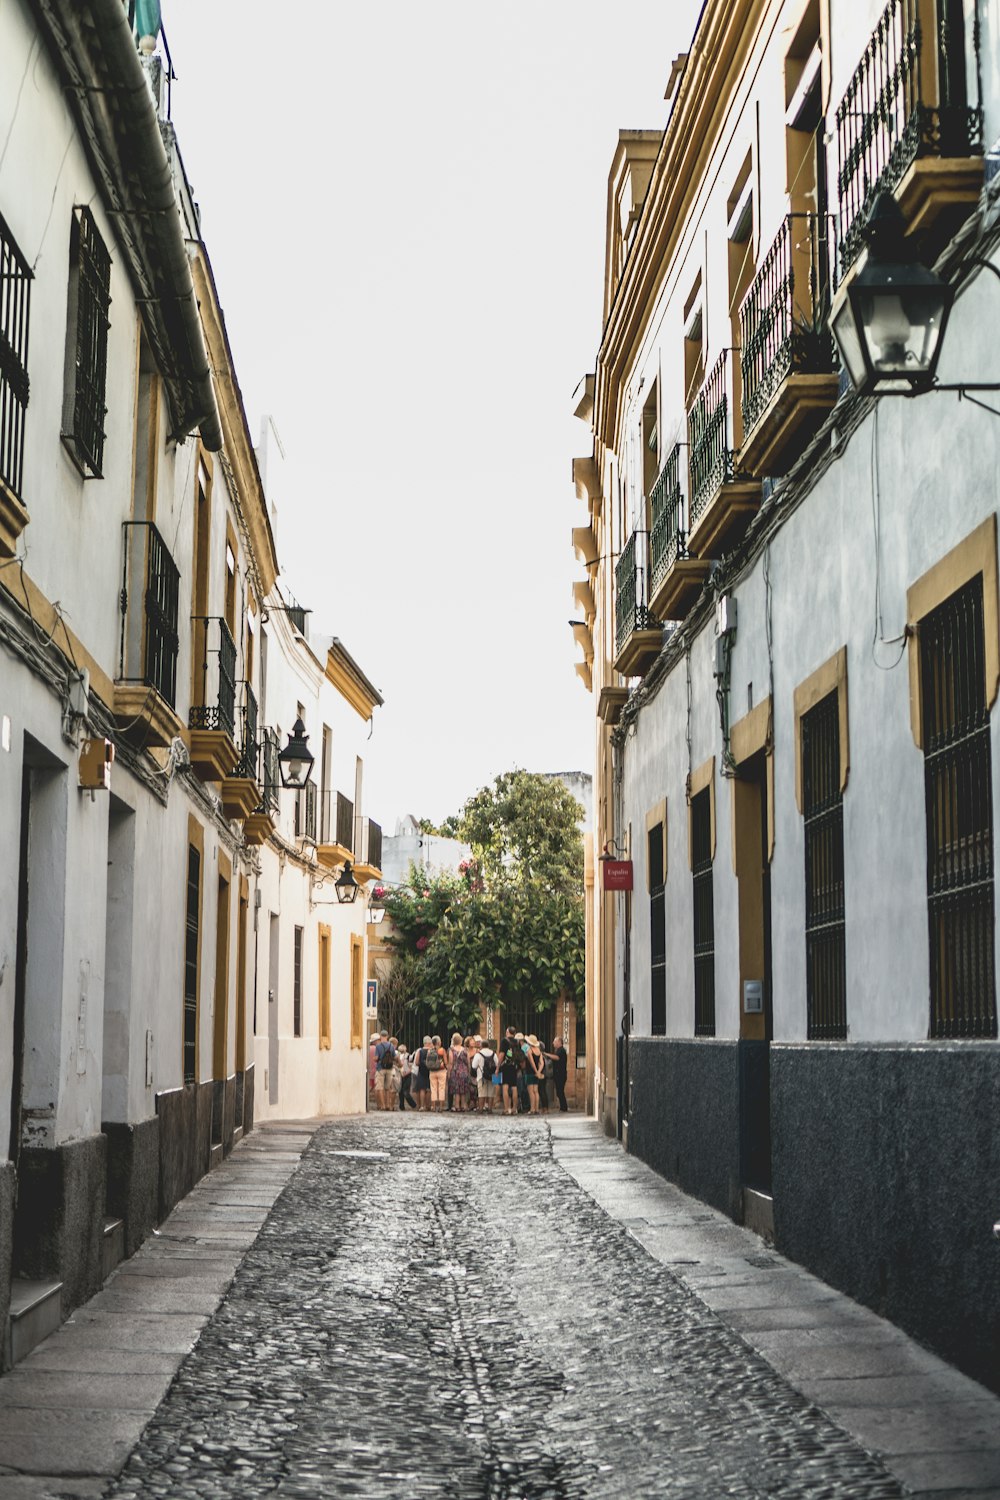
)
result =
(371, 997)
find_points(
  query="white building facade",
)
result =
(792, 633)
(151, 668)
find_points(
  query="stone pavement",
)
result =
(446, 1306)
(71, 1413)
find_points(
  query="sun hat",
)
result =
(532, 1041)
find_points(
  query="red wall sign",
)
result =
(617, 874)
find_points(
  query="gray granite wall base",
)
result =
(248, 1078)
(185, 1140)
(684, 1115)
(134, 1178)
(59, 1223)
(6, 1243)
(887, 1184)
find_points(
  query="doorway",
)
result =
(752, 844)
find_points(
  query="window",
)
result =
(15, 294)
(823, 811)
(357, 991)
(297, 982)
(656, 874)
(959, 811)
(191, 946)
(325, 1035)
(87, 345)
(704, 913)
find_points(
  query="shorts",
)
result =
(383, 1081)
(487, 1089)
(509, 1077)
(439, 1083)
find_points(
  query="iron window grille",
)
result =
(149, 641)
(657, 932)
(913, 94)
(783, 317)
(704, 914)
(631, 602)
(192, 920)
(15, 300)
(217, 709)
(823, 811)
(959, 811)
(711, 446)
(667, 538)
(345, 822)
(297, 982)
(87, 345)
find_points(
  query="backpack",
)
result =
(432, 1059)
(386, 1058)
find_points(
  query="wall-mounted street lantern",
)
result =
(346, 886)
(295, 762)
(889, 320)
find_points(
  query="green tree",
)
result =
(526, 827)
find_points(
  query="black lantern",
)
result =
(295, 762)
(890, 319)
(346, 886)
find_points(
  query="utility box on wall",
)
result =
(96, 759)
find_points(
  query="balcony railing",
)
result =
(248, 764)
(305, 812)
(372, 844)
(336, 820)
(149, 639)
(270, 780)
(667, 540)
(632, 591)
(214, 644)
(711, 458)
(345, 821)
(909, 97)
(15, 297)
(783, 319)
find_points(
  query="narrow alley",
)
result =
(463, 1307)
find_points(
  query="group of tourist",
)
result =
(520, 1075)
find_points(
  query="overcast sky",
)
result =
(405, 210)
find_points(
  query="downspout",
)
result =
(139, 118)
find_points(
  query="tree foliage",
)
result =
(510, 923)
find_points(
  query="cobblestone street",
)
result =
(434, 1307)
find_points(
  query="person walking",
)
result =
(385, 1057)
(406, 1080)
(510, 1070)
(484, 1067)
(559, 1060)
(458, 1073)
(534, 1073)
(421, 1085)
(437, 1070)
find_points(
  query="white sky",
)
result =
(405, 210)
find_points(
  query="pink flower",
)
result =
(463, 866)
(422, 943)
(379, 893)
(426, 893)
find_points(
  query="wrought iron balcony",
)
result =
(373, 843)
(149, 639)
(270, 780)
(714, 517)
(214, 644)
(336, 827)
(248, 763)
(15, 281)
(637, 633)
(914, 94)
(784, 335)
(667, 541)
(305, 812)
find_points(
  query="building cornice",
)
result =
(349, 680)
(235, 431)
(714, 71)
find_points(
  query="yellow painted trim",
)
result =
(196, 840)
(348, 686)
(748, 736)
(357, 991)
(29, 596)
(698, 781)
(657, 814)
(325, 1036)
(976, 554)
(236, 433)
(828, 678)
